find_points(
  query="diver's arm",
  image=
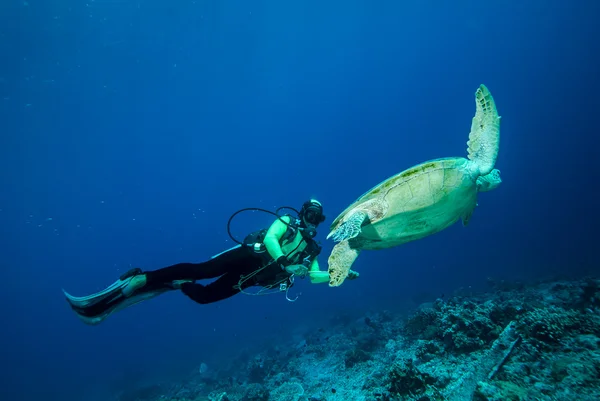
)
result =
(273, 235)
(317, 276)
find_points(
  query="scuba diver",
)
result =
(269, 258)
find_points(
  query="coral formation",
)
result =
(518, 342)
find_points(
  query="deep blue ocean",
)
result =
(132, 129)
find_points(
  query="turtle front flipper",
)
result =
(484, 139)
(349, 228)
(341, 259)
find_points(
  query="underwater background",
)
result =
(133, 129)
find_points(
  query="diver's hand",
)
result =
(283, 262)
(352, 275)
(298, 270)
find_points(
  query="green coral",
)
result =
(549, 325)
(256, 392)
(422, 324)
(501, 391)
(463, 327)
(289, 391)
(354, 357)
(405, 379)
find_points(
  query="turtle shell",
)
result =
(419, 201)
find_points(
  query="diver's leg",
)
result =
(228, 285)
(230, 260)
(136, 285)
(135, 279)
(171, 277)
(224, 287)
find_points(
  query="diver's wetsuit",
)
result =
(286, 242)
(229, 266)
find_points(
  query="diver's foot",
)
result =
(127, 285)
(130, 273)
(137, 282)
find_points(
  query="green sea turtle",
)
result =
(422, 200)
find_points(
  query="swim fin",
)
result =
(126, 291)
(111, 292)
(117, 306)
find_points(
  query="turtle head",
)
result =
(490, 181)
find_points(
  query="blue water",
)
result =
(132, 130)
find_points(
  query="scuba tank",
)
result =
(255, 240)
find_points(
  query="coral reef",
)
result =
(518, 342)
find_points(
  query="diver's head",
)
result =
(312, 212)
(490, 181)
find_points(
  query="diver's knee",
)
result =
(202, 299)
(196, 292)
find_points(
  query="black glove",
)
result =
(283, 262)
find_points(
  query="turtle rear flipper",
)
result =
(341, 259)
(484, 139)
(466, 217)
(350, 228)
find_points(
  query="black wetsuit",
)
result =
(260, 260)
(230, 267)
(234, 270)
